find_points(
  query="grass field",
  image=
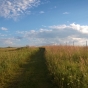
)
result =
(11, 61)
(47, 67)
(24, 68)
(68, 66)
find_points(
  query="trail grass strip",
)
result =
(33, 74)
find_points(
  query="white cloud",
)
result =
(10, 41)
(14, 8)
(3, 28)
(77, 27)
(59, 27)
(83, 29)
(57, 34)
(66, 13)
(41, 12)
(7, 41)
(52, 35)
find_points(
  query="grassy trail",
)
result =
(33, 74)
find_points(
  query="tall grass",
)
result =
(11, 59)
(68, 66)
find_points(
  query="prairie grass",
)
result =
(24, 68)
(11, 59)
(68, 65)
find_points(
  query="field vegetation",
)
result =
(68, 66)
(24, 67)
(11, 61)
(44, 67)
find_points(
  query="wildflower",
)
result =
(62, 78)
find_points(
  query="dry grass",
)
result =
(68, 65)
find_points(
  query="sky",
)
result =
(43, 22)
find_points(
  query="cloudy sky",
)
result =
(43, 22)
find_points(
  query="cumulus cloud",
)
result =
(3, 28)
(82, 29)
(52, 35)
(57, 34)
(14, 8)
(77, 27)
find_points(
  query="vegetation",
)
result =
(11, 61)
(68, 66)
(23, 68)
(48, 67)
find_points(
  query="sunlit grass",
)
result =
(11, 59)
(24, 68)
(68, 66)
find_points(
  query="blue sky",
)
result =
(43, 22)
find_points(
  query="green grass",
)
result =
(49, 67)
(11, 60)
(24, 68)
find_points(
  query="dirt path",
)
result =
(33, 74)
